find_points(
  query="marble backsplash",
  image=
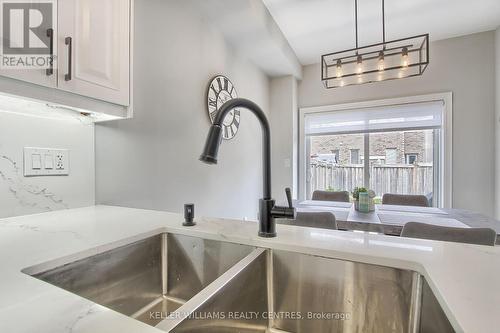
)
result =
(21, 195)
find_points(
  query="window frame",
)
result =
(407, 158)
(395, 150)
(358, 156)
(443, 159)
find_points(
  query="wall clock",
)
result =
(221, 90)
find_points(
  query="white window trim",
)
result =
(407, 159)
(350, 155)
(395, 150)
(446, 176)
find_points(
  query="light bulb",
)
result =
(342, 83)
(359, 66)
(381, 62)
(405, 61)
(339, 68)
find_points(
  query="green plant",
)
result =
(331, 189)
(357, 191)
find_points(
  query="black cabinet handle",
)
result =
(50, 33)
(69, 41)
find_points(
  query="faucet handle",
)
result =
(282, 212)
(288, 193)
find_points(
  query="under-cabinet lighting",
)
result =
(41, 109)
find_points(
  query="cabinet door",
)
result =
(94, 49)
(30, 41)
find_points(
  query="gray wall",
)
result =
(497, 122)
(283, 119)
(464, 66)
(151, 161)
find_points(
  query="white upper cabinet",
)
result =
(90, 41)
(94, 49)
(24, 43)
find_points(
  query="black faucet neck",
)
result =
(266, 135)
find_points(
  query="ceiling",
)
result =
(315, 27)
(249, 27)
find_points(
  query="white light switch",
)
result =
(36, 161)
(46, 162)
(49, 162)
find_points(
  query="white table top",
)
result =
(335, 204)
(411, 209)
(394, 215)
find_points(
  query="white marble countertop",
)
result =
(463, 277)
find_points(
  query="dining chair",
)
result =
(405, 200)
(322, 220)
(479, 236)
(342, 196)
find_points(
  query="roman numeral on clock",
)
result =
(220, 83)
(212, 86)
(212, 103)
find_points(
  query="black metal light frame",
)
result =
(416, 45)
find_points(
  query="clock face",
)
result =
(220, 91)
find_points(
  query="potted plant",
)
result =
(355, 196)
(370, 194)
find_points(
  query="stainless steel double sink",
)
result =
(186, 284)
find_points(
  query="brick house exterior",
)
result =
(385, 148)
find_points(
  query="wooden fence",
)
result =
(401, 179)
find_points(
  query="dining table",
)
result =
(390, 219)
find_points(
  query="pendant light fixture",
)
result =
(389, 60)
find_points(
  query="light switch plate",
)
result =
(53, 162)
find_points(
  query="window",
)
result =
(399, 148)
(411, 158)
(354, 156)
(391, 156)
(397, 175)
(342, 174)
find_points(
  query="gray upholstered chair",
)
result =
(342, 196)
(480, 236)
(405, 200)
(323, 220)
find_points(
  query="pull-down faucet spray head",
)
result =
(212, 144)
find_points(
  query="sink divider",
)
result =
(183, 313)
(270, 292)
(415, 304)
(164, 260)
(270, 285)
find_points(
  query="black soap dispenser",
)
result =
(189, 215)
